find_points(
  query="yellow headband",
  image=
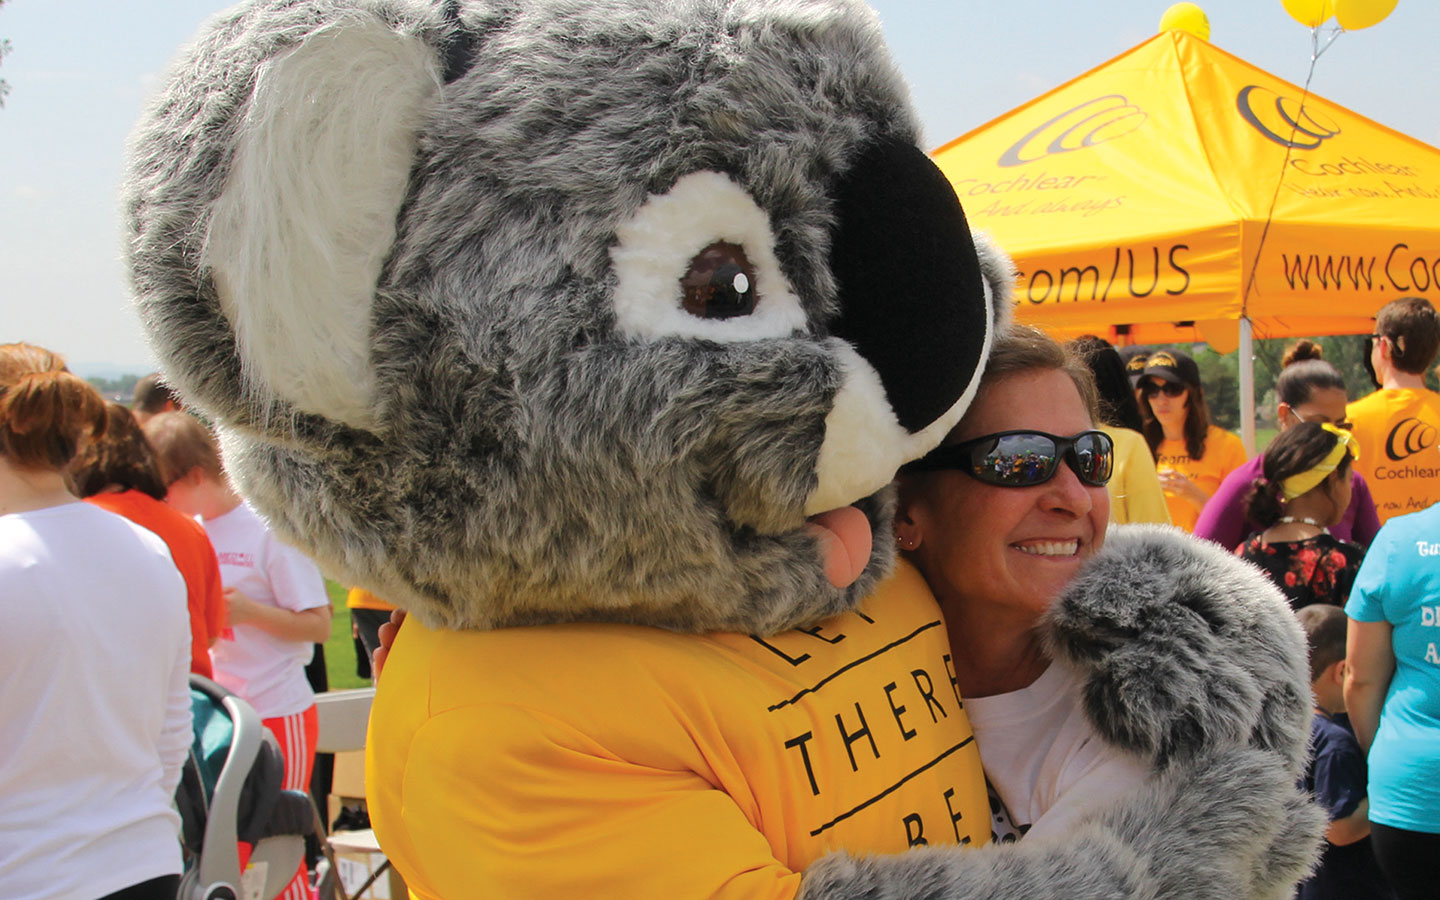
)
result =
(1296, 485)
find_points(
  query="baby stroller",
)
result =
(229, 792)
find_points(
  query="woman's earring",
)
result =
(906, 543)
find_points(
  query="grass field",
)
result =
(340, 649)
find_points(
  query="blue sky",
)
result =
(80, 70)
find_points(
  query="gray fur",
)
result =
(1184, 649)
(999, 274)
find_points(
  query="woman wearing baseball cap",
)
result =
(1192, 455)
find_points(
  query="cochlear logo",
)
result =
(1092, 122)
(1409, 437)
(1282, 119)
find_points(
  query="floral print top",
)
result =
(1318, 569)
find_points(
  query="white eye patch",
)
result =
(655, 248)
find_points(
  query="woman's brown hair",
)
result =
(1296, 449)
(1018, 350)
(45, 411)
(121, 458)
(181, 443)
(1025, 348)
(1413, 329)
(1304, 371)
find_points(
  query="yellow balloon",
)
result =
(1186, 17)
(1310, 13)
(1356, 14)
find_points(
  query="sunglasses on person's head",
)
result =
(1317, 418)
(1168, 388)
(1025, 458)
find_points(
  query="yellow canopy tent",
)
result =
(1135, 197)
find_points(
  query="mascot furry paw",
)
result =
(593, 335)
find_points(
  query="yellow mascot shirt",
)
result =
(1399, 434)
(622, 761)
(1224, 453)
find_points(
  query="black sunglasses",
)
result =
(1168, 388)
(1024, 458)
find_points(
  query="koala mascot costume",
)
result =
(593, 333)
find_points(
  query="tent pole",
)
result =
(1247, 386)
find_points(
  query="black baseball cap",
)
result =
(1134, 359)
(1172, 366)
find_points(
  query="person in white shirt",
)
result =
(275, 596)
(1027, 461)
(94, 663)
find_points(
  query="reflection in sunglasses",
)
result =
(1025, 458)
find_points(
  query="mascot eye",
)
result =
(720, 283)
(665, 290)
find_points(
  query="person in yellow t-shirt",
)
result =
(1025, 460)
(1192, 455)
(1135, 492)
(1398, 426)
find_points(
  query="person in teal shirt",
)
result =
(1392, 691)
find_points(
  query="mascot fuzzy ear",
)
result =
(299, 236)
(476, 325)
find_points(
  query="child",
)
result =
(1336, 774)
(278, 608)
(1304, 489)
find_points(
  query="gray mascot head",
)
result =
(551, 311)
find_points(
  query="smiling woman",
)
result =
(1000, 520)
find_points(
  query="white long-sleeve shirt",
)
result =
(94, 704)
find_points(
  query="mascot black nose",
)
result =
(911, 291)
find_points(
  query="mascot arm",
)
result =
(555, 814)
(1208, 832)
(1183, 648)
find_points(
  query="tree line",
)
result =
(1220, 374)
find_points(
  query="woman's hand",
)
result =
(1180, 485)
(388, 631)
(310, 626)
(239, 609)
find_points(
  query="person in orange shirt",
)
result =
(118, 472)
(1192, 455)
(1398, 426)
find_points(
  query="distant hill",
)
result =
(89, 370)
